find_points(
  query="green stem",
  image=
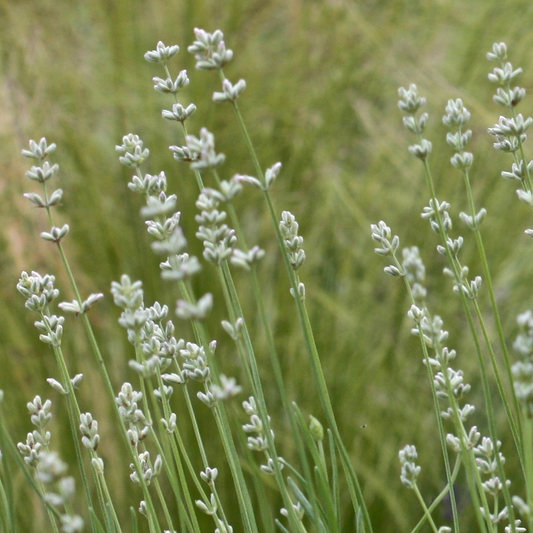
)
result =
(426, 510)
(234, 306)
(37, 487)
(440, 497)
(456, 267)
(5, 516)
(250, 363)
(191, 518)
(107, 381)
(515, 423)
(436, 407)
(74, 417)
(243, 496)
(528, 454)
(356, 493)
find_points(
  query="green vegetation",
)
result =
(321, 98)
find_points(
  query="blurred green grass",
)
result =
(322, 78)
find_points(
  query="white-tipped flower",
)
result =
(181, 266)
(195, 363)
(76, 308)
(126, 294)
(410, 471)
(38, 290)
(39, 150)
(230, 92)
(179, 112)
(56, 385)
(504, 75)
(204, 147)
(258, 440)
(71, 523)
(197, 311)
(162, 53)
(499, 52)
(40, 411)
(209, 475)
(42, 173)
(234, 330)
(55, 234)
(293, 242)
(271, 174)
(133, 153)
(147, 470)
(171, 86)
(382, 234)
(160, 205)
(247, 260)
(89, 430)
(456, 114)
(210, 50)
(170, 424)
(409, 101)
(227, 389)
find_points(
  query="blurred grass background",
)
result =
(322, 82)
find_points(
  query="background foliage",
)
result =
(322, 78)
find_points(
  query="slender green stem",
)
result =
(74, 417)
(191, 517)
(425, 508)
(250, 362)
(104, 374)
(456, 268)
(527, 429)
(223, 427)
(163, 504)
(53, 513)
(37, 487)
(353, 482)
(106, 496)
(5, 515)
(436, 406)
(514, 421)
(440, 497)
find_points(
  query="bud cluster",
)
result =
(293, 242)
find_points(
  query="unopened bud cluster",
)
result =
(38, 440)
(39, 292)
(293, 242)
(210, 50)
(132, 415)
(59, 490)
(258, 439)
(410, 470)
(410, 103)
(148, 471)
(50, 471)
(218, 239)
(456, 118)
(202, 151)
(523, 370)
(41, 173)
(510, 132)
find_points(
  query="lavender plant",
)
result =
(480, 456)
(174, 488)
(304, 487)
